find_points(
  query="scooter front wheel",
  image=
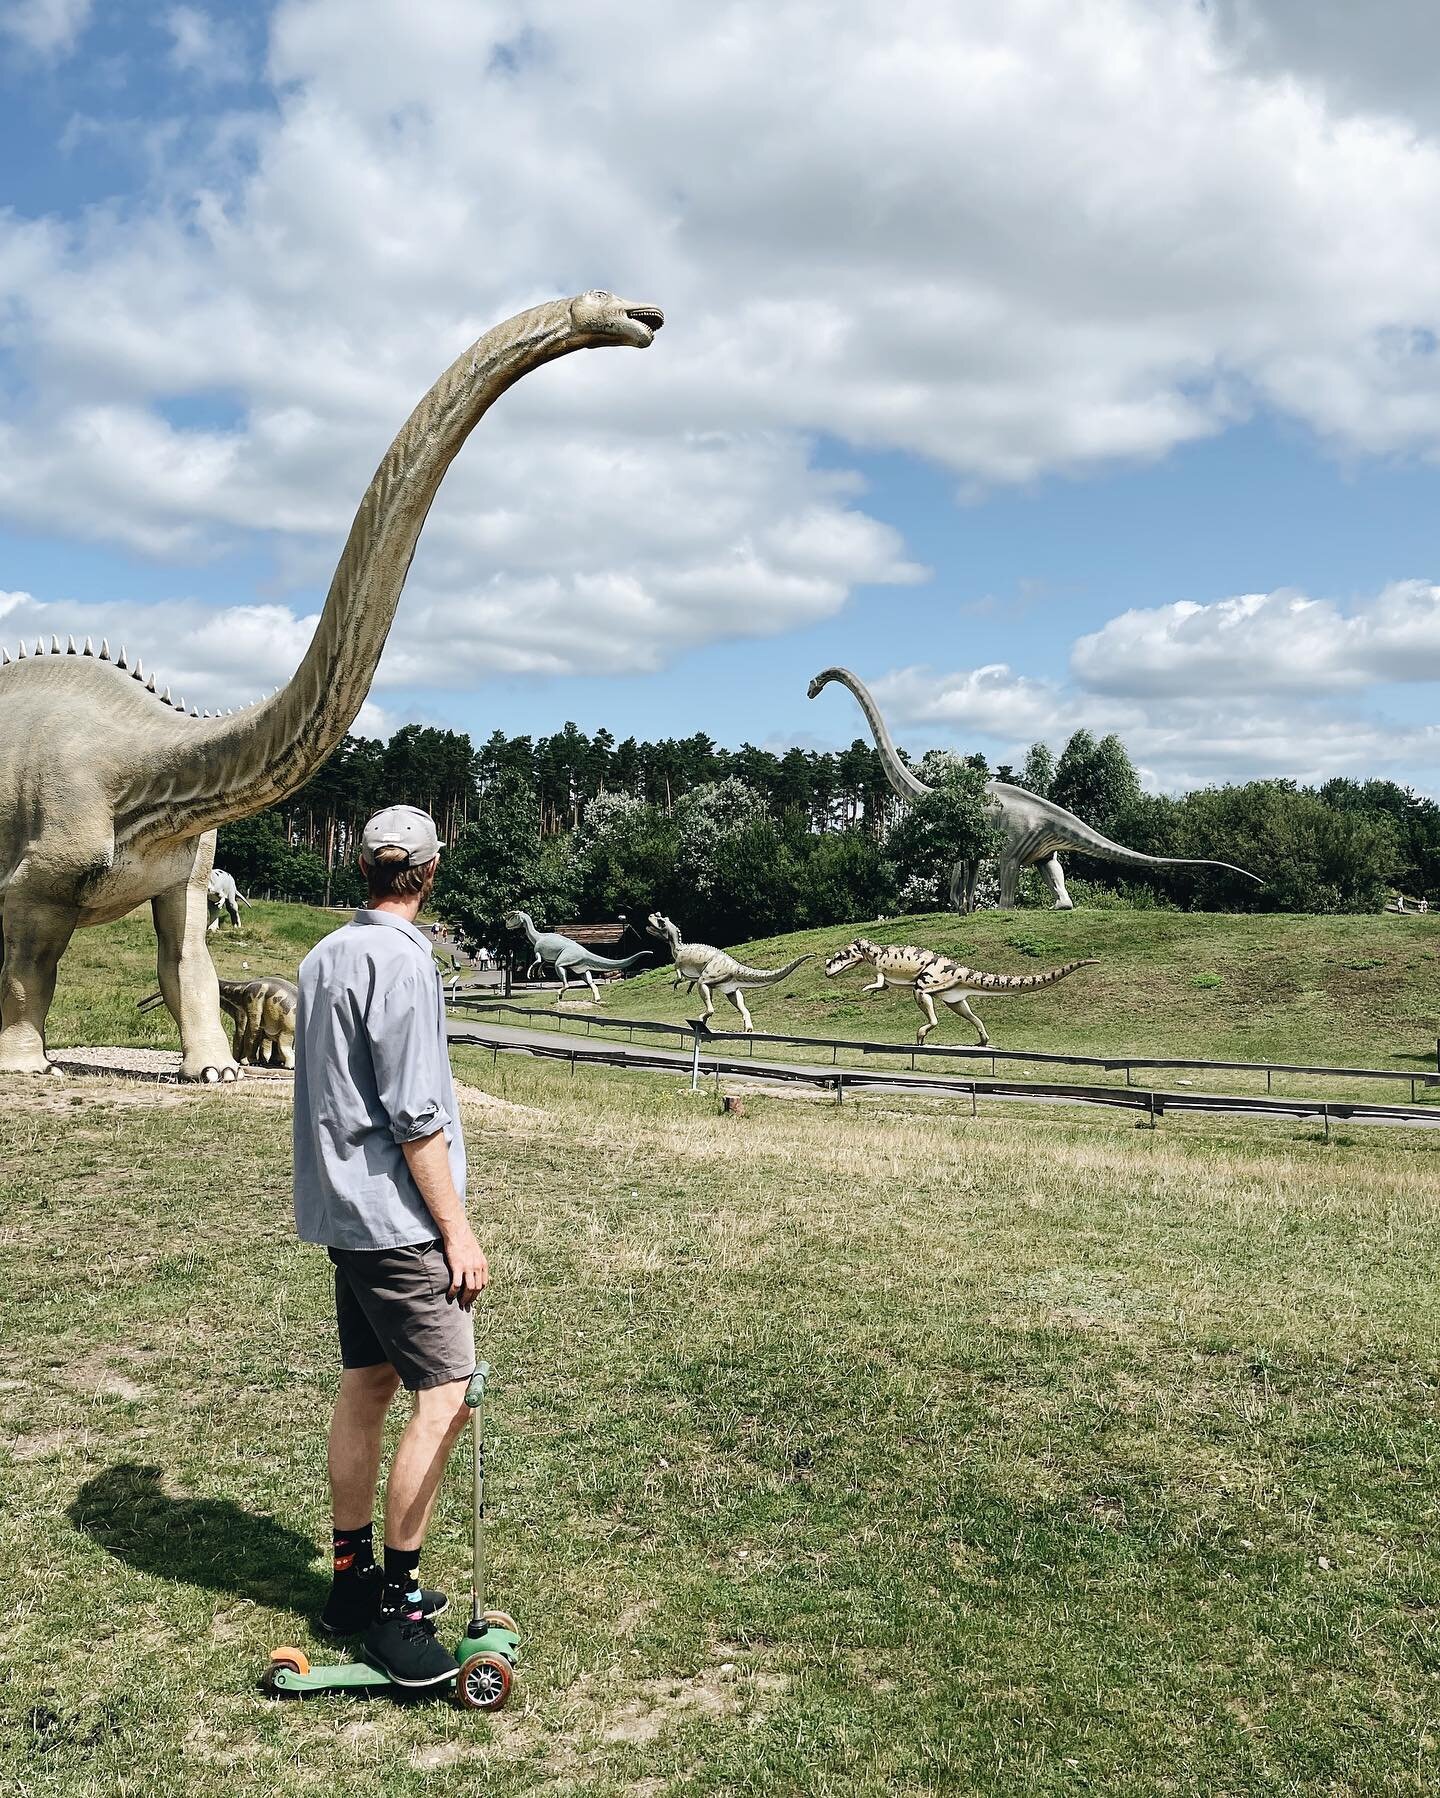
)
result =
(501, 1620)
(290, 1660)
(483, 1682)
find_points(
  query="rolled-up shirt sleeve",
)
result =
(405, 1050)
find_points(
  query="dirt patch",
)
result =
(97, 1378)
(37, 1447)
(483, 1101)
(723, 1691)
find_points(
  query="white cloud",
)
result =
(48, 28)
(1240, 688)
(1265, 643)
(1016, 237)
(207, 48)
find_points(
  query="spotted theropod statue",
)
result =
(935, 976)
(1033, 829)
(111, 791)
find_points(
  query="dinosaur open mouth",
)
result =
(650, 316)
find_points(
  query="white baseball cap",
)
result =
(402, 827)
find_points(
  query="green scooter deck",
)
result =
(345, 1676)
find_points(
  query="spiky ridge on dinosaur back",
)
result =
(135, 670)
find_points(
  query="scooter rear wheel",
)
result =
(483, 1682)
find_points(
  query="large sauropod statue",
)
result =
(1034, 829)
(110, 793)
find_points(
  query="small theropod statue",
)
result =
(707, 967)
(565, 955)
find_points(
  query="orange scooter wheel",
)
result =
(483, 1682)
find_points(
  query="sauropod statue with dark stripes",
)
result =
(1034, 830)
(111, 792)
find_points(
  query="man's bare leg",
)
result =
(357, 1429)
(439, 1416)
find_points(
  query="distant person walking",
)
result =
(380, 1183)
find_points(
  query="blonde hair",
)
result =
(390, 876)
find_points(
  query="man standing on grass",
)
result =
(380, 1183)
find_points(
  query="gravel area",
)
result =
(161, 1066)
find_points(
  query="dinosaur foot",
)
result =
(226, 1074)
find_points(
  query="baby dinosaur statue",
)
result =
(936, 976)
(706, 967)
(1034, 829)
(262, 1009)
(222, 892)
(110, 793)
(565, 955)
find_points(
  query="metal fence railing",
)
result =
(1152, 1104)
(917, 1053)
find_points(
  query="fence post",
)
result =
(1325, 1113)
(695, 1059)
(974, 1110)
(839, 1089)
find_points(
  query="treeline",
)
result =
(745, 842)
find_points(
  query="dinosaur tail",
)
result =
(768, 976)
(975, 982)
(629, 961)
(1070, 832)
(228, 989)
(241, 897)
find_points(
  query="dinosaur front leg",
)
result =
(35, 936)
(877, 985)
(187, 979)
(961, 1004)
(736, 997)
(927, 1005)
(1055, 877)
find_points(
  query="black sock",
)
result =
(354, 1552)
(402, 1580)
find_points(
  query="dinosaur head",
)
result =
(821, 681)
(512, 920)
(846, 957)
(605, 318)
(657, 924)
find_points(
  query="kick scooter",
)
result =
(488, 1650)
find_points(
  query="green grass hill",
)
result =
(1361, 991)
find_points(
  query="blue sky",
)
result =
(1019, 367)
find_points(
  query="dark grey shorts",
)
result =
(391, 1306)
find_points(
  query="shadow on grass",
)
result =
(205, 1541)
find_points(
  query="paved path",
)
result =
(486, 1033)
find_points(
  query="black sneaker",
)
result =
(403, 1645)
(354, 1604)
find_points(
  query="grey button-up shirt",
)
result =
(372, 1071)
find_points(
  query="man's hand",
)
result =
(429, 1162)
(469, 1270)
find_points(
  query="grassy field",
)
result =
(873, 1451)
